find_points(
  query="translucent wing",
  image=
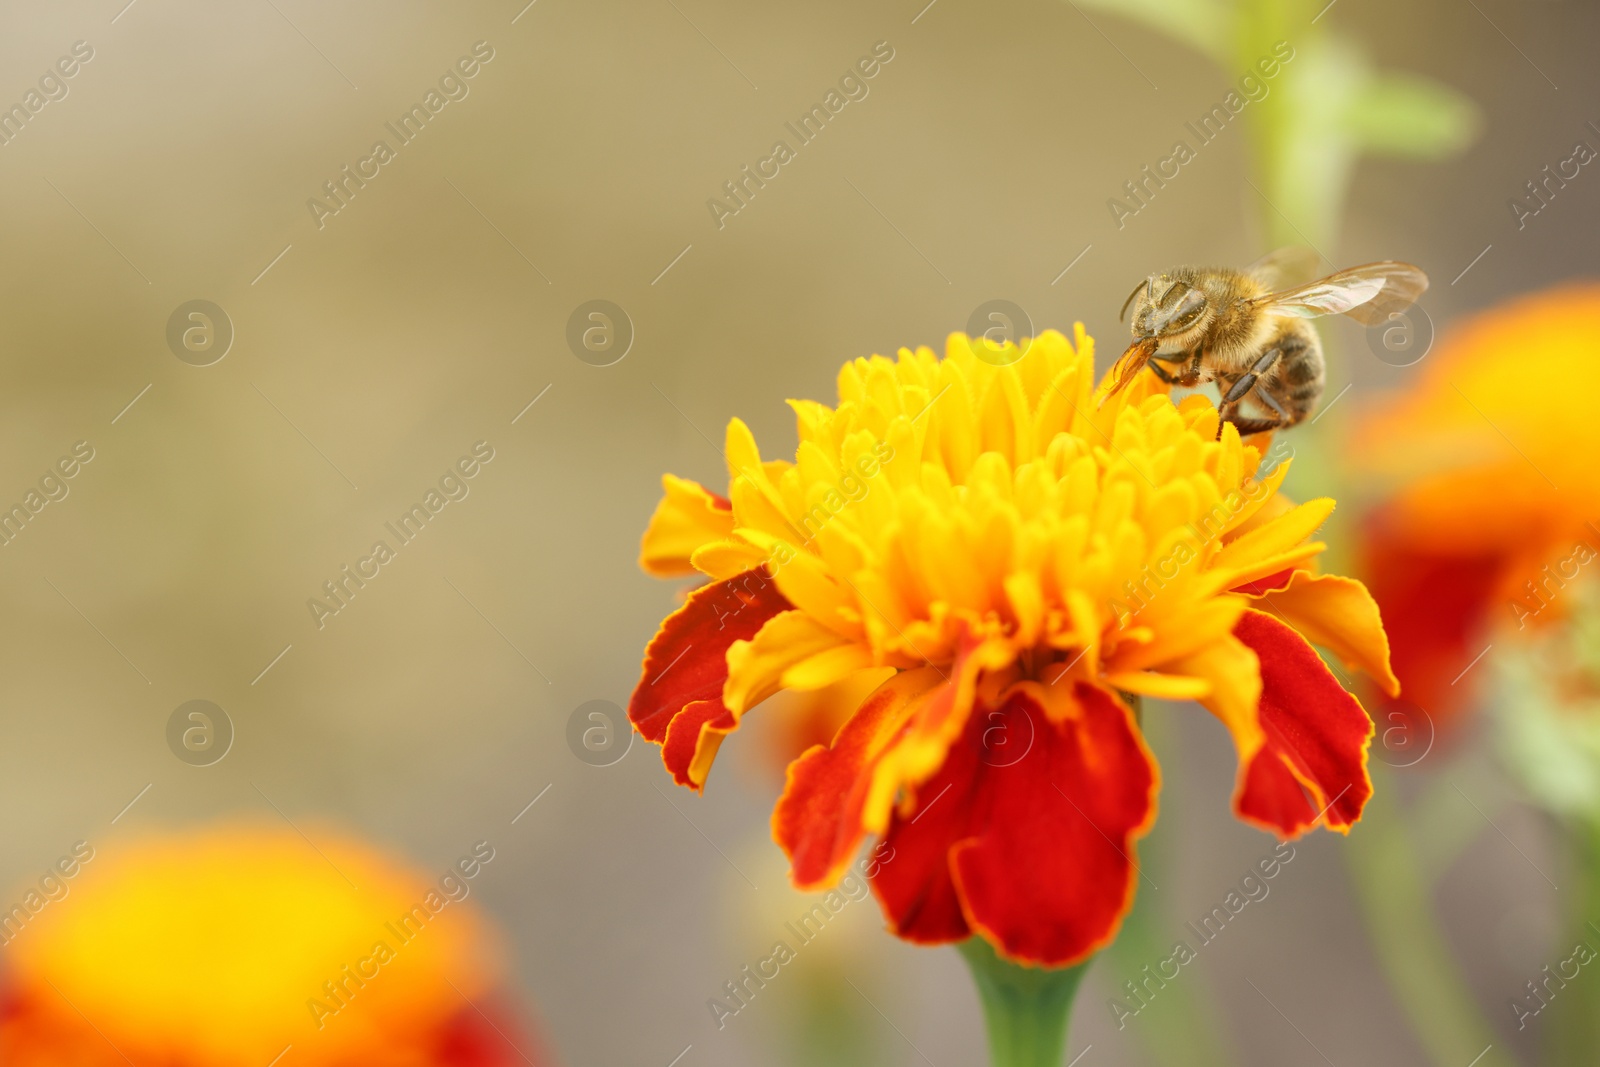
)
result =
(1368, 294)
(1294, 265)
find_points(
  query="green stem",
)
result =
(1186, 1028)
(1574, 1027)
(1025, 1009)
(1399, 911)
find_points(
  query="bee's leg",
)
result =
(1248, 382)
(1242, 387)
(1246, 427)
(1266, 397)
(1230, 413)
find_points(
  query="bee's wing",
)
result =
(1367, 294)
(1294, 265)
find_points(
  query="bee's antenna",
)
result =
(1123, 313)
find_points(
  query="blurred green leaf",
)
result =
(1412, 117)
(1329, 107)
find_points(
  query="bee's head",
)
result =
(1169, 311)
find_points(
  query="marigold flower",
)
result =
(1015, 552)
(1489, 493)
(210, 949)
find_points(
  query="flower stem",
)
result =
(1397, 904)
(1575, 1026)
(1025, 1009)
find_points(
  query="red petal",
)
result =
(686, 663)
(818, 820)
(1033, 851)
(1435, 609)
(702, 722)
(1313, 766)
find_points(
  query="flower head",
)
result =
(219, 948)
(1488, 494)
(1010, 557)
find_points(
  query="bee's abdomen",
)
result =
(1300, 372)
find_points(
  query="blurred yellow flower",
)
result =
(240, 944)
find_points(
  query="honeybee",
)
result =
(1244, 331)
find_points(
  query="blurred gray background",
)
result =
(373, 352)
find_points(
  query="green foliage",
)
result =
(1409, 116)
(1328, 108)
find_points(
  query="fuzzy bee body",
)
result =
(1194, 325)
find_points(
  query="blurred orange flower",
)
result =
(1489, 498)
(240, 945)
(973, 548)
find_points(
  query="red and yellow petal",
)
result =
(689, 516)
(818, 821)
(686, 667)
(1311, 765)
(1284, 536)
(792, 651)
(1033, 851)
(1338, 614)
